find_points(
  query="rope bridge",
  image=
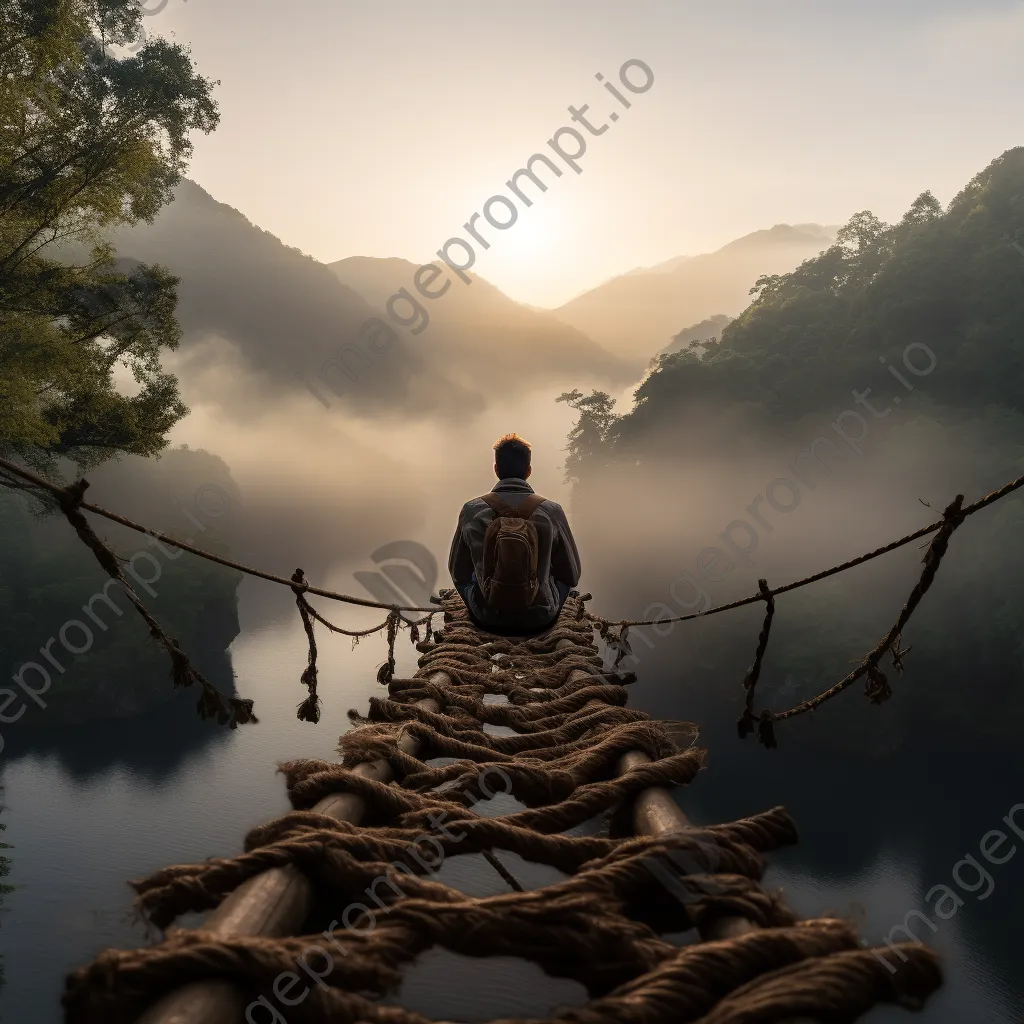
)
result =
(412, 774)
(234, 711)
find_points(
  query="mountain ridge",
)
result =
(635, 314)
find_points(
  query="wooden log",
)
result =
(273, 903)
(655, 813)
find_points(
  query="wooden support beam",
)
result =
(656, 813)
(275, 902)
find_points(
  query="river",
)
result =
(90, 808)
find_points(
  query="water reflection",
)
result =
(89, 809)
(152, 745)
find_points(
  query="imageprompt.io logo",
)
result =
(408, 573)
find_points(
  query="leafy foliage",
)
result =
(952, 280)
(592, 432)
(87, 142)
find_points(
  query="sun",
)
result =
(526, 259)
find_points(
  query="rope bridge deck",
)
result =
(316, 919)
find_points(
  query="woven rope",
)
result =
(600, 926)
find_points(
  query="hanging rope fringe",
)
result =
(230, 711)
(234, 711)
(747, 721)
(876, 687)
(615, 639)
(387, 671)
(309, 709)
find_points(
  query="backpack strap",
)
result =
(524, 511)
(496, 504)
(532, 503)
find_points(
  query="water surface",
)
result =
(89, 809)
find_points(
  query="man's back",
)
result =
(558, 561)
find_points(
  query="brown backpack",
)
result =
(511, 550)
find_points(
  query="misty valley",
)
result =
(223, 459)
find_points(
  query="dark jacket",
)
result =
(558, 558)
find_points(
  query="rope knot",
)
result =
(877, 688)
(953, 513)
(72, 496)
(387, 671)
(766, 730)
(952, 516)
(746, 723)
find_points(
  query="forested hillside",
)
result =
(950, 280)
(930, 313)
(634, 315)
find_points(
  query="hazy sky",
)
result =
(377, 128)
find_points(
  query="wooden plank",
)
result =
(273, 903)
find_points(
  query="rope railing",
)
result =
(228, 710)
(233, 711)
(332, 595)
(877, 688)
(981, 503)
(57, 491)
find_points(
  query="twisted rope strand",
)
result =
(878, 689)
(747, 722)
(230, 711)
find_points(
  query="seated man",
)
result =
(513, 558)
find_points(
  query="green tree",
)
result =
(951, 280)
(590, 437)
(88, 142)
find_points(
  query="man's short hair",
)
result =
(512, 456)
